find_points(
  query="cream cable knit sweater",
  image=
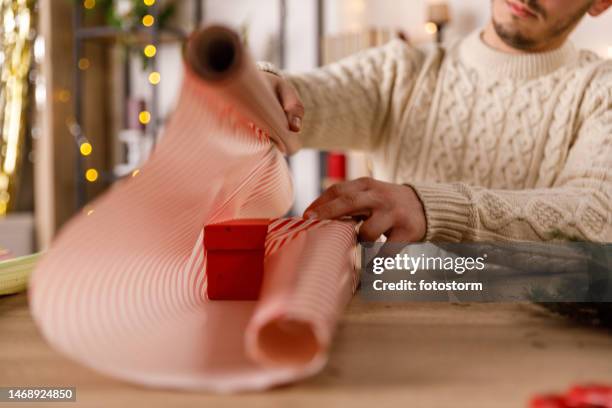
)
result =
(498, 147)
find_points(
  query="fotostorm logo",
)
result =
(412, 264)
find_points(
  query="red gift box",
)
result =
(235, 258)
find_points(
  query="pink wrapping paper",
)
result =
(123, 290)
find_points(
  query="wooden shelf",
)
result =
(108, 33)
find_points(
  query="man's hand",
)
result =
(390, 209)
(288, 99)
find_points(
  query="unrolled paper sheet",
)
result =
(123, 289)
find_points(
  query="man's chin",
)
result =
(514, 36)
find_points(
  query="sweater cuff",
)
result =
(448, 211)
(268, 67)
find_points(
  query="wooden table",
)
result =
(408, 355)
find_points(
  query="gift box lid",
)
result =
(244, 234)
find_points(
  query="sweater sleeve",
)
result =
(577, 206)
(348, 104)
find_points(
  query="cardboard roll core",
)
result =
(214, 53)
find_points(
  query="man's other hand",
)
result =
(394, 210)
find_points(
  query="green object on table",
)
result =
(14, 273)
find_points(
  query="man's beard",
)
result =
(515, 39)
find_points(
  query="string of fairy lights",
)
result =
(16, 38)
(92, 174)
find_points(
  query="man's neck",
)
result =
(490, 37)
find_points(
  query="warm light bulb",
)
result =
(144, 117)
(86, 148)
(431, 28)
(63, 95)
(84, 64)
(149, 2)
(135, 172)
(154, 77)
(148, 20)
(4, 181)
(150, 51)
(89, 4)
(91, 175)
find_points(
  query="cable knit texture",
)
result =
(498, 147)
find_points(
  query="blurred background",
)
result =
(87, 85)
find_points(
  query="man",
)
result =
(505, 136)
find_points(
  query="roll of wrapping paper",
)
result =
(14, 273)
(218, 58)
(123, 289)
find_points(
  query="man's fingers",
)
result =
(396, 241)
(400, 235)
(374, 227)
(329, 194)
(353, 204)
(334, 192)
(292, 105)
